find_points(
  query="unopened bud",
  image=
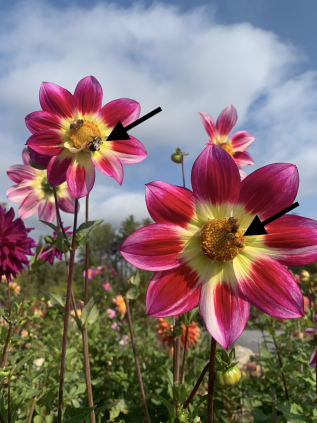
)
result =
(304, 276)
(48, 239)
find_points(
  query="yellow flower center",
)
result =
(221, 239)
(227, 147)
(84, 132)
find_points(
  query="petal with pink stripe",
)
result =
(172, 292)
(37, 121)
(241, 140)
(19, 173)
(67, 204)
(225, 122)
(58, 166)
(25, 156)
(108, 164)
(88, 96)
(17, 193)
(80, 175)
(268, 285)
(57, 100)
(47, 211)
(47, 142)
(123, 109)
(154, 247)
(242, 158)
(312, 359)
(128, 151)
(311, 332)
(30, 205)
(223, 308)
(168, 203)
(209, 125)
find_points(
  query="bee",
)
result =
(95, 144)
(237, 243)
(230, 236)
(75, 124)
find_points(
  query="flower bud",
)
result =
(176, 158)
(48, 239)
(304, 276)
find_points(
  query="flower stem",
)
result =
(5, 351)
(146, 413)
(66, 317)
(193, 392)
(211, 379)
(184, 356)
(9, 401)
(280, 362)
(183, 171)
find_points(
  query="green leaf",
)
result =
(57, 301)
(178, 330)
(292, 412)
(232, 355)
(55, 228)
(136, 278)
(225, 356)
(84, 229)
(180, 392)
(132, 293)
(265, 353)
(168, 374)
(76, 415)
(119, 407)
(259, 416)
(194, 413)
(89, 313)
(170, 408)
(193, 313)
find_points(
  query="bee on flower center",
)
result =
(75, 124)
(95, 144)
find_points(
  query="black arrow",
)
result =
(119, 132)
(257, 227)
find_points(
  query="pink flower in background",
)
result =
(67, 127)
(115, 326)
(106, 286)
(112, 270)
(90, 273)
(312, 333)
(15, 245)
(237, 143)
(124, 340)
(35, 194)
(51, 252)
(111, 313)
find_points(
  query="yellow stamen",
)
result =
(84, 133)
(221, 240)
(227, 147)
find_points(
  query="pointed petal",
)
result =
(311, 332)
(223, 308)
(88, 96)
(168, 203)
(80, 175)
(37, 121)
(208, 124)
(128, 151)
(41, 159)
(108, 164)
(47, 211)
(172, 292)
(154, 247)
(243, 158)
(268, 285)
(123, 109)
(25, 156)
(47, 142)
(242, 173)
(17, 193)
(58, 166)
(57, 100)
(225, 122)
(29, 205)
(216, 180)
(19, 173)
(241, 140)
(67, 205)
(312, 359)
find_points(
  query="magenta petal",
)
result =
(37, 121)
(312, 359)
(57, 100)
(58, 166)
(241, 140)
(311, 332)
(19, 173)
(108, 164)
(243, 175)
(270, 189)
(168, 203)
(225, 122)
(88, 96)
(243, 158)
(80, 175)
(154, 247)
(172, 292)
(41, 159)
(215, 177)
(47, 142)
(17, 193)
(47, 211)
(128, 151)
(208, 124)
(123, 109)
(29, 205)
(25, 156)
(67, 205)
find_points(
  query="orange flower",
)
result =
(193, 334)
(120, 304)
(15, 288)
(163, 328)
(306, 303)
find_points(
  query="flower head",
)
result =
(15, 288)
(115, 326)
(312, 333)
(51, 252)
(111, 313)
(90, 273)
(73, 128)
(219, 133)
(34, 192)
(120, 304)
(124, 340)
(15, 244)
(201, 256)
(164, 329)
(106, 286)
(112, 270)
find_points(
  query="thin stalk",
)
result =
(184, 356)
(211, 379)
(5, 349)
(183, 171)
(193, 392)
(282, 373)
(9, 401)
(301, 369)
(273, 395)
(264, 338)
(87, 256)
(136, 361)
(32, 406)
(66, 317)
(174, 350)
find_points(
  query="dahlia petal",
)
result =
(242, 173)
(18, 173)
(168, 203)
(225, 122)
(123, 109)
(108, 164)
(223, 308)
(209, 125)
(88, 96)
(47, 211)
(29, 205)
(57, 100)
(25, 156)
(17, 193)
(312, 359)
(268, 285)
(154, 247)
(291, 239)
(172, 292)
(241, 140)
(128, 151)
(67, 205)
(242, 158)
(58, 166)
(311, 332)
(215, 179)
(41, 159)
(80, 175)
(37, 121)
(47, 142)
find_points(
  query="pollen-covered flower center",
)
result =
(82, 131)
(221, 239)
(227, 147)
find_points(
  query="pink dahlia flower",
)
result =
(201, 256)
(15, 244)
(237, 143)
(111, 313)
(66, 128)
(51, 252)
(34, 192)
(312, 333)
(106, 286)
(90, 273)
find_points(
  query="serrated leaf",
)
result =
(136, 278)
(170, 408)
(76, 415)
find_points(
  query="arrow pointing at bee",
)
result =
(257, 227)
(119, 132)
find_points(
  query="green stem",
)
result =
(211, 380)
(184, 356)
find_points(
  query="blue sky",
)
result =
(183, 56)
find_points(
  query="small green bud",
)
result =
(48, 239)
